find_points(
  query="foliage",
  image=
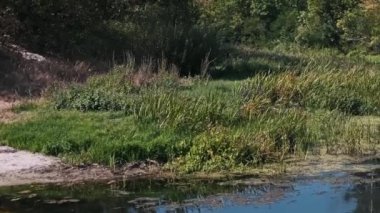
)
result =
(189, 33)
(251, 21)
(264, 140)
(361, 29)
(319, 22)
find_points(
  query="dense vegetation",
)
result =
(186, 32)
(195, 124)
(202, 85)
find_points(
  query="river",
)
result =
(330, 192)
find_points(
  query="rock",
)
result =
(27, 55)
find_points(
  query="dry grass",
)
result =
(25, 74)
(6, 115)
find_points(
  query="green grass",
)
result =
(89, 137)
(258, 107)
(373, 58)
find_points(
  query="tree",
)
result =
(361, 28)
(319, 23)
(251, 20)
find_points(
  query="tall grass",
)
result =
(147, 111)
(354, 91)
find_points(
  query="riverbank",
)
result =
(22, 168)
(335, 185)
(259, 108)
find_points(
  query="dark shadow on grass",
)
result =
(241, 70)
(243, 64)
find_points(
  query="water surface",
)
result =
(335, 192)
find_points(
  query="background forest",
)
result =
(186, 31)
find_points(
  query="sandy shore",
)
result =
(13, 160)
(21, 167)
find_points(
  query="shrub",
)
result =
(265, 139)
(119, 89)
(215, 150)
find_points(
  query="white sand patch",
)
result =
(22, 167)
(12, 160)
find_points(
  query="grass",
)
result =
(89, 137)
(258, 107)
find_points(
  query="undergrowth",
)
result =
(297, 103)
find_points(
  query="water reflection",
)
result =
(367, 195)
(166, 196)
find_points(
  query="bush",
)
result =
(266, 139)
(119, 89)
